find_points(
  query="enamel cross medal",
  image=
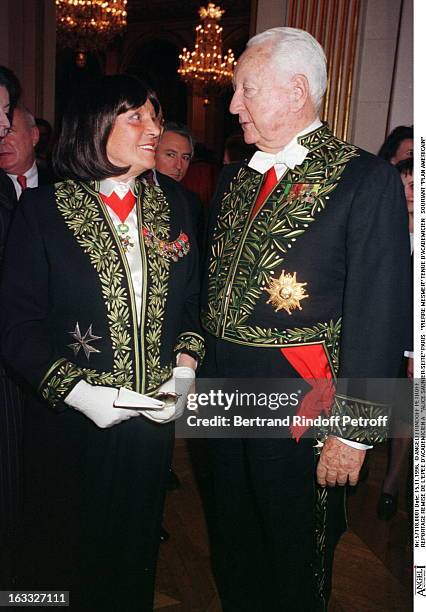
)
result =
(125, 238)
(122, 208)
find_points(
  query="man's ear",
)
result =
(299, 92)
(35, 135)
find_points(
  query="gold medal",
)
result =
(286, 293)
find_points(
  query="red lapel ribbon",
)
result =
(269, 182)
(121, 207)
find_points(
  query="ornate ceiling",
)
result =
(153, 10)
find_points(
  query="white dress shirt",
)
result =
(133, 253)
(289, 157)
(32, 179)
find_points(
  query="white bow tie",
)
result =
(291, 156)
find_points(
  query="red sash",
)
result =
(312, 364)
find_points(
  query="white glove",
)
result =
(97, 403)
(180, 382)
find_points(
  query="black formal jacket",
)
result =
(337, 224)
(68, 309)
(194, 205)
(8, 203)
(8, 200)
(46, 176)
(197, 211)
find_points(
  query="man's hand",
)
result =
(410, 367)
(339, 462)
(186, 361)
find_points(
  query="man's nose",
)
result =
(4, 119)
(4, 123)
(235, 105)
(3, 138)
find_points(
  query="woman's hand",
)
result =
(97, 404)
(180, 384)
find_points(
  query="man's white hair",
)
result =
(27, 114)
(294, 52)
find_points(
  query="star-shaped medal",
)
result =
(286, 293)
(83, 341)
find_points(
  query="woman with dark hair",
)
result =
(4, 106)
(100, 299)
(398, 144)
(10, 82)
(4, 109)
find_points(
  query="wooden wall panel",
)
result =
(334, 23)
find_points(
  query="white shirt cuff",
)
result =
(357, 445)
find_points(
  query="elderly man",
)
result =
(306, 243)
(17, 152)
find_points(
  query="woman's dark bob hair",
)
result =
(81, 150)
(405, 166)
(9, 80)
(394, 139)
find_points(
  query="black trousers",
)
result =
(262, 540)
(11, 469)
(93, 505)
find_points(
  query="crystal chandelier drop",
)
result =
(89, 25)
(205, 68)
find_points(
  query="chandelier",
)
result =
(205, 68)
(89, 25)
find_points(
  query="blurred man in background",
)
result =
(17, 152)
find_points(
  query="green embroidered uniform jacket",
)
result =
(337, 223)
(69, 310)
